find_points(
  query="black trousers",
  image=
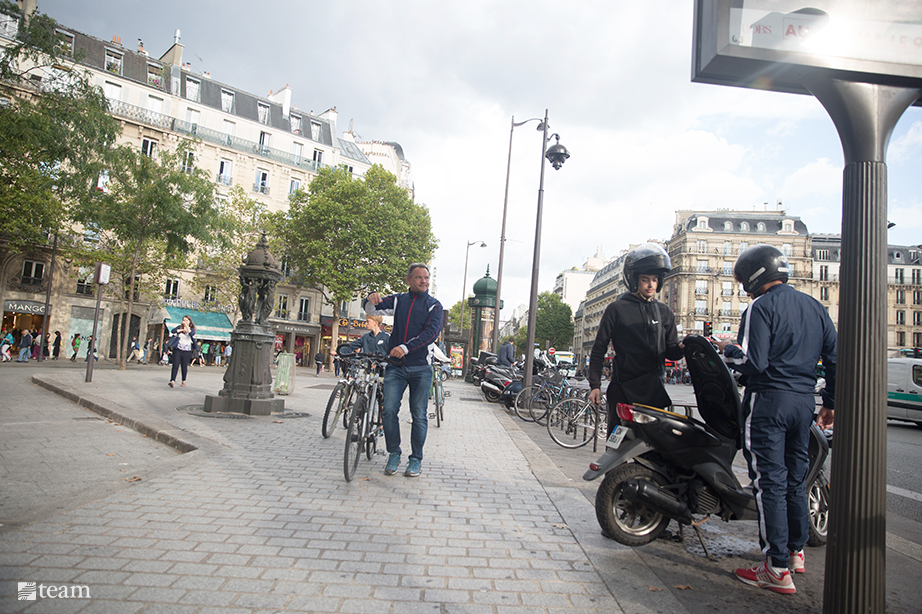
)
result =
(181, 358)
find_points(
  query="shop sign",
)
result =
(32, 307)
(279, 342)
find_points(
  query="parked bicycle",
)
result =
(341, 399)
(437, 391)
(574, 422)
(365, 422)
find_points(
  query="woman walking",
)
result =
(182, 352)
(56, 346)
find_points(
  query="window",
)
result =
(192, 116)
(824, 293)
(899, 276)
(281, 306)
(155, 104)
(728, 226)
(294, 186)
(901, 317)
(728, 247)
(85, 280)
(315, 131)
(227, 101)
(318, 157)
(114, 62)
(102, 184)
(701, 266)
(728, 268)
(701, 286)
(701, 307)
(900, 297)
(264, 139)
(113, 91)
(917, 318)
(192, 89)
(65, 42)
(744, 245)
(917, 343)
(824, 272)
(154, 76)
(822, 254)
(262, 112)
(262, 181)
(148, 148)
(296, 124)
(788, 227)
(297, 150)
(32, 273)
(760, 226)
(188, 162)
(172, 289)
(91, 235)
(228, 128)
(304, 310)
(701, 247)
(787, 249)
(744, 226)
(225, 171)
(900, 338)
(285, 268)
(725, 308)
(897, 255)
(727, 288)
(917, 297)
(211, 294)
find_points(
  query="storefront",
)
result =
(298, 338)
(209, 325)
(349, 330)
(19, 315)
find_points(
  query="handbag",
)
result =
(173, 342)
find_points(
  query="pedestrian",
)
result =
(56, 345)
(336, 364)
(417, 324)
(146, 351)
(375, 341)
(46, 348)
(182, 349)
(91, 348)
(319, 360)
(643, 334)
(36, 344)
(219, 354)
(782, 335)
(75, 344)
(228, 350)
(5, 346)
(506, 354)
(25, 346)
(135, 350)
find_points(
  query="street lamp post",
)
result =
(467, 252)
(557, 154)
(502, 236)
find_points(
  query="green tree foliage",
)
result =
(54, 129)
(453, 315)
(244, 219)
(154, 212)
(553, 324)
(348, 237)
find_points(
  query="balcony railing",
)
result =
(701, 290)
(140, 114)
(224, 179)
(261, 188)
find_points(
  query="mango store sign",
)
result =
(24, 307)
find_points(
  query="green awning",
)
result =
(211, 325)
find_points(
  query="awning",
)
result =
(210, 325)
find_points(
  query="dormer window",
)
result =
(728, 226)
(262, 111)
(744, 226)
(897, 256)
(760, 226)
(788, 226)
(296, 124)
(114, 62)
(702, 222)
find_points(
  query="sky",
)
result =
(445, 78)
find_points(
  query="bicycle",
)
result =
(365, 423)
(341, 400)
(574, 422)
(437, 391)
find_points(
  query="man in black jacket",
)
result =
(643, 334)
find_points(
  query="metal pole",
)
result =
(89, 351)
(502, 242)
(467, 252)
(864, 115)
(533, 300)
(42, 345)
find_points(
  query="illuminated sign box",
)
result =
(774, 44)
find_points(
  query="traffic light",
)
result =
(708, 329)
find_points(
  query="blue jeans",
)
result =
(776, 435)
(26, 351)
(396, 381)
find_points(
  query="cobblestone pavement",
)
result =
(258, 518)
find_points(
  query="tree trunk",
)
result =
(334, 334)
(122, 358)
(118, 333)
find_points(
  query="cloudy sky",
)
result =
(444, 78)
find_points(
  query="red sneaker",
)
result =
(796, 562)
(762, 576)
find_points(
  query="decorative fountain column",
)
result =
(248, 380)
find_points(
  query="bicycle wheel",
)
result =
(541, 404)
(331, 417)
(354, 442)
(347, 401)
(440, 402)
(520, 405)
(368, 435)
(572, 423)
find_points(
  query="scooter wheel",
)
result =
(493, 397)
(629, 523)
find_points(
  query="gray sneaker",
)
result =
(393, 462)
(413, 468)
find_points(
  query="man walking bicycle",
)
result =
(417, 324)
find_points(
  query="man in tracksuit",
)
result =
(782, 334)
(375, 341)
(417, 324)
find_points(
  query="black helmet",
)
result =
(648, 259)
(759, 265)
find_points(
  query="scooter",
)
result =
(496, 379)
(661, 466)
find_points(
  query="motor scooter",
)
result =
(660, 465)
(497, 378)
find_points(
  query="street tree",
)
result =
(553, 324)
(347, 236)
(54, 128)
(155, 211)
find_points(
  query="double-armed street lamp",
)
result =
(467, 252)
(557, 154)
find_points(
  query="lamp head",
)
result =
(557, 154)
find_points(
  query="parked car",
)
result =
(904, 389)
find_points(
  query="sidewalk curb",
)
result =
(150, 426)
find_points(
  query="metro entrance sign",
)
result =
(863, 61)
(775, 44)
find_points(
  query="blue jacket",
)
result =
(506, 355)
(417, 324)
(782, 335)
(370, 343)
